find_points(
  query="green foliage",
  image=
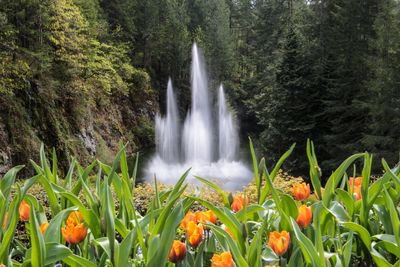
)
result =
(339, 233)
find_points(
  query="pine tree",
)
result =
(291, 111)
(383, 135)
(345, 34)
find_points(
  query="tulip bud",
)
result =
(24, 211)
(177, 252)
(43, 227)
(305, 216)
(194, 234)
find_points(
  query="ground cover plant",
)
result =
(351, 221)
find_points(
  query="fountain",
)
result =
(198, 149)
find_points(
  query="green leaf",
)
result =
(216, 188)
(394, 217)
(8, 180)
(360, 230)
(310, 254)
(52, 233)
(37, 242)
(378, 258)
(336, 176)
(280, 162)
(77, 261)
(255, 167)
(314, 168)
(347, 200)
(167, 236)
(234, 249)
(125, 249)
(109, 219)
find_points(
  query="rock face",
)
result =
(86, 125)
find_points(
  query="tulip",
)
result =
(238, 202)
(355, 186)
(74, 234)
(301, 191)
(189, 217)
(74, 231)
(194, 233)
(75, 218)
(279, 242)
(43, 227)
(356, 181)
(5, 220)
(357, 191)
(206, 216)
(24, 211)
(222, 260)
(177, 252)
(305, 216)
(2, 265)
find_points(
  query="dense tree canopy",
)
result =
(328, 70)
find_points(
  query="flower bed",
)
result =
(276, 220)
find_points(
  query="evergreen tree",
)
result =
(345, 35)
(383, 135)
(291, 110)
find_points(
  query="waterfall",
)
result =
(194, 146)
(227, 136)
(197, 130)
(167, 129)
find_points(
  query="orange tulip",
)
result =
(75, 218)
(5, 220)
(2, 265)
(238, 202)
(189, 217)
(194, 233)
(177, 252)
(24, 211)
(74, 231)
(355, 186)
(43, 227)
(222, 260)
(356, 190)
(305, 216)
(279, 242)
(301, 191)
(356, 181)
(206, 216)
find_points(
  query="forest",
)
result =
(90, 88)
(79, 75)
